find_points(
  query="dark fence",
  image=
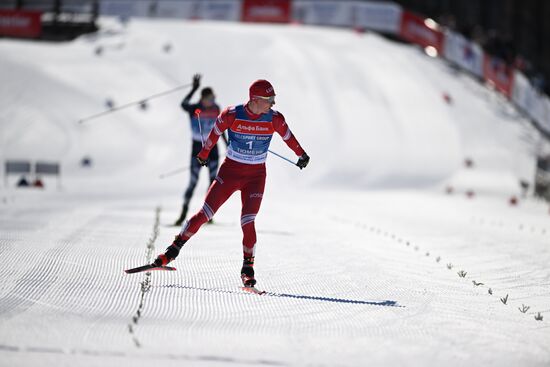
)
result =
(27, 168)
(59, 19)
(517, 31)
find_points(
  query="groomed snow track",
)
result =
(342, 289)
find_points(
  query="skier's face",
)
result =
(265, 103)
(208, 101)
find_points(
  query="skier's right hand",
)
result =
(303, 161)
(202, 162)
(196, 81)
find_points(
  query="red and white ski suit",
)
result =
(243, 169)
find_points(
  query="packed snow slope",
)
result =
(365, 260)
(370, 111)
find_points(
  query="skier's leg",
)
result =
(194, 169)
(251, 196)
(193, 179)
(213, 167)
(221, 189)
(228, 180)
(218, 194)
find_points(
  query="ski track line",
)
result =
(146, 283)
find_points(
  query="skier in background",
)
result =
(251, 127)
(209, 110)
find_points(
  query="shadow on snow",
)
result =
(386, 303)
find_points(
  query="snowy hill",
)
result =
(359, 252)
(377, 104)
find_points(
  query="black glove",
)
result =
(303, 161)
(196, 81)
(202, 162)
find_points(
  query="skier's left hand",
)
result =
(196, 81)
(303, 161)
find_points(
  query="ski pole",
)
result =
(106, 112)
(280, 156)
(198, 113)
(174, 172)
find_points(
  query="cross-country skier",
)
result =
(251, 127)
(209, 111)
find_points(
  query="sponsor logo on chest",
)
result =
(250, 127)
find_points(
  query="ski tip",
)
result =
(148, 268)
(253, 290)
(169, 268)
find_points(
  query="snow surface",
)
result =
(354, 251)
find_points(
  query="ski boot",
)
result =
(171, 252)
(247, 272)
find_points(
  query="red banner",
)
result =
(267, 11)
(420, 31)
(15, 23)
(496, 72)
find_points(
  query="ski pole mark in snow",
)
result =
(387, 303)
(461, 273)
(508, 225)
(146, 284)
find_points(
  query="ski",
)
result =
(148, 267)
(253, 290)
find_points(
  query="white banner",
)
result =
(176, 9)
(540, 111)
(125, 8)
(523, 94)
(219, 10)
(463, 52)
(545, 122)
(331, 13)
(181, 9)
(535, 104)
(379, 16)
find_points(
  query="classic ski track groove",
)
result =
(146, 283)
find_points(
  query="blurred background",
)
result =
(501, 44)
(515, 31)
(417, 235)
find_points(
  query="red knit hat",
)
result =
(261, 88)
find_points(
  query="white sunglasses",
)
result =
(270, 99)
